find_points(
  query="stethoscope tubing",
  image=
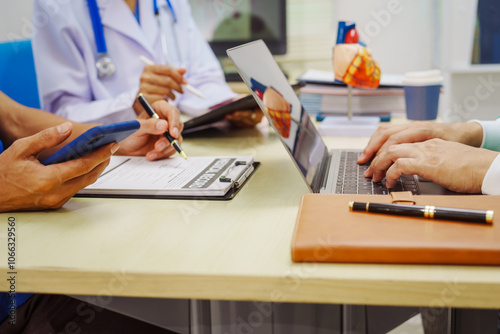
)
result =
(100, 39)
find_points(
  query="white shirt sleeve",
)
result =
(491, 181)
(491, 134)
(80, 109)
(65, 56)
(65, 68)
(491, 141)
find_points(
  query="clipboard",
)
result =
(235, 181)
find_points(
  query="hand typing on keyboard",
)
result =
(351, 179)
(456, 166)
(388, 135)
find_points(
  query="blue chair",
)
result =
(17, 73)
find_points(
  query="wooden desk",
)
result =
(235, 250)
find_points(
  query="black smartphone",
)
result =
(92, 139)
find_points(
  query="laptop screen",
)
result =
(282, 107)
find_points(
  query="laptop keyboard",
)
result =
(351, 180)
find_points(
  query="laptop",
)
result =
(331, 172)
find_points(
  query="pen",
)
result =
(190, 88)
(427, 211)
(145, 104)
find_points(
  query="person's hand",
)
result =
(388, 135)
(149, 139)
(455, 166)
(245, 118)
(158, 82)
(29, 185)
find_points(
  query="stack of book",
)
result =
(321, 95)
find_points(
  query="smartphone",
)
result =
(92, 139)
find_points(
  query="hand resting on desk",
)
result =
(245, 118)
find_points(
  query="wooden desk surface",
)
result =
(235, 250)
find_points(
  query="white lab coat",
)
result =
(65, 54)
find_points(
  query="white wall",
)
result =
(15, 19)
(471, 91)
(400, 33)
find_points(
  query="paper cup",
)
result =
(422, 91)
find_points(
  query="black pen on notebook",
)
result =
(427, 211)
(145, 104)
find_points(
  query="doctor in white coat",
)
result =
(66, 53)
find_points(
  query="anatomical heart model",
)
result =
(352, 62)
(353, 66)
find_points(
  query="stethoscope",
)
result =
(105, 66)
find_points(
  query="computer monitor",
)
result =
(226, 24)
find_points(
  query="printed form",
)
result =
(197, 176)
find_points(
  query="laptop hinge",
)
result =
(323, 175)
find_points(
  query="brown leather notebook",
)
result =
(326, 231)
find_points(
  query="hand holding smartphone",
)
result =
(93, 139)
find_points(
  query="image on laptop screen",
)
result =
(274, 94)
